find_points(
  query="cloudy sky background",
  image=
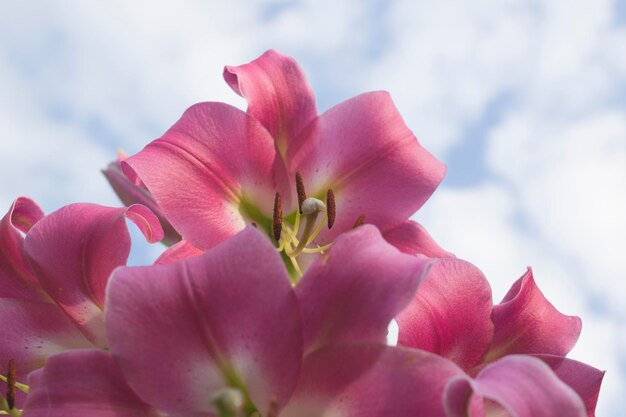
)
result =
(525, 101)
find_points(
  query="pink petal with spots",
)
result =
(32, 331)
(82, 383)
(522, 386)
(184, 331)
(450, 314)
(526, 322)
(278, 95)
(355, 292)
(365, 153)
(17, 279)
(582, 378)
(74, 250)
(357, 380)
(411, 237)
(213, 172)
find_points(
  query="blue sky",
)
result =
(525, 101)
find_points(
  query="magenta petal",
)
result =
(525, 322)
(15, 274)
(450, 314)
(181, 250)
(74, 250)
(364, 151)
(131, 193)
(357, 380)
(522, 385)
(32, 331)
(582, 378)
(355, 292)
(412, 238)
(209, 169)
(82, 383)
(278, 94)
(181, 332)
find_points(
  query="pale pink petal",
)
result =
(355, 292)
(582, 378)
(181, 250)
(361, 380)
(131, 193)
(17, 279)
(82, 383)
(522, 385)
(278, 94)
(213, 172)
(181, 332)
(32, 331)
(525, 322)
(411, 237)
(365, 153)
(450, 314)
(74, 250)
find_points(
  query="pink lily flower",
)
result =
(500, 346)
(219, 169)
(227, 334)
(53, 279)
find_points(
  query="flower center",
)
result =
(295, 240)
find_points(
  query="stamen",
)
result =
(277, 224)
(359, 221)
(300, 191)
(11, 384)
(330, 207)
(253, 224)
(273, 409)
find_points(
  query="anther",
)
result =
(273, 409)
(11, 380)
(253, 224)
(359, 221)
(330, 207)
(277, 224)
(300, 191)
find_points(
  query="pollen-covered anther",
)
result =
(359, 221)
(11, 380)
(300, 191)
(277, 223)
(330, 207)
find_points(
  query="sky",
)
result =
(525, 102)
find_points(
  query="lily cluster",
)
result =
(289, 252)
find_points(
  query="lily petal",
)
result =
(355, 292)
(412, 238)
(32, 331)
(278, 95)
(131, 193)
(74, 250)
(82, 383)
(212, 172)
(522, 385)
(183, 332)
(582, 378)
(181, 250)
(15, 274)
(355, 380)
(365, 153)
(450, 314)
(526, 322)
